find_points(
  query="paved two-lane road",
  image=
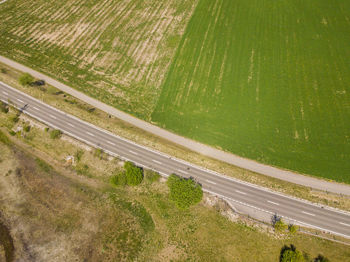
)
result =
(301, 212)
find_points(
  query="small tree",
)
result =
(291, 254)
(134, 174)
(184, 192)
(26, 79)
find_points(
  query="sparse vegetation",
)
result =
(4, 107)
(280, 226)
(55, 134)
(26, 79)
(292, 229)
(185, 192)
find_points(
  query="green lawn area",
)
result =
(267, 80)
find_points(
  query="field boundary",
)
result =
(192, 145)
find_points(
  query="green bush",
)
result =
(280, 226)
(290, 254)
(184, 192)
(26, 128)
(292, 229)
(321, 258)
(55, 134)
(46, 129)
(3, 70)
(26, 79)
(12, 133)
(134, 174)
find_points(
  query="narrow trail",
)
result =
(192, 145)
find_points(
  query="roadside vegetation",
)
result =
(62, 101)
(185, 192)
(67, 215)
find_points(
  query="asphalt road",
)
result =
(302, 212)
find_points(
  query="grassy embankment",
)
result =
(54, 212)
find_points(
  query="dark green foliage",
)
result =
(26, 128)
(119, 179)
(43, 165)
(78, 155)
(26, 79)
(46, 129)
(3, 70)
(55, 134)
(4, 139)
(184, 192)
(134, 174)
(4, 107)
(151, 176)
(321, 258)
(12, 133)
(292, 229)
(290, 254)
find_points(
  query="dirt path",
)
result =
(190, 144)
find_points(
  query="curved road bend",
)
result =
(248, 164)
(302, 212)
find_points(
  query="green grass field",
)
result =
(267, 80)
(264, 79)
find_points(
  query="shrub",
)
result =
(12, 133)
(46, 129)
(184, 192)
(290, 254)
(321, 258)
(134, 174)
(3, 70)
(99, 153)
(55, 134)
(280, 226)
(26, 128)
(26, 79)
(292, 229)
